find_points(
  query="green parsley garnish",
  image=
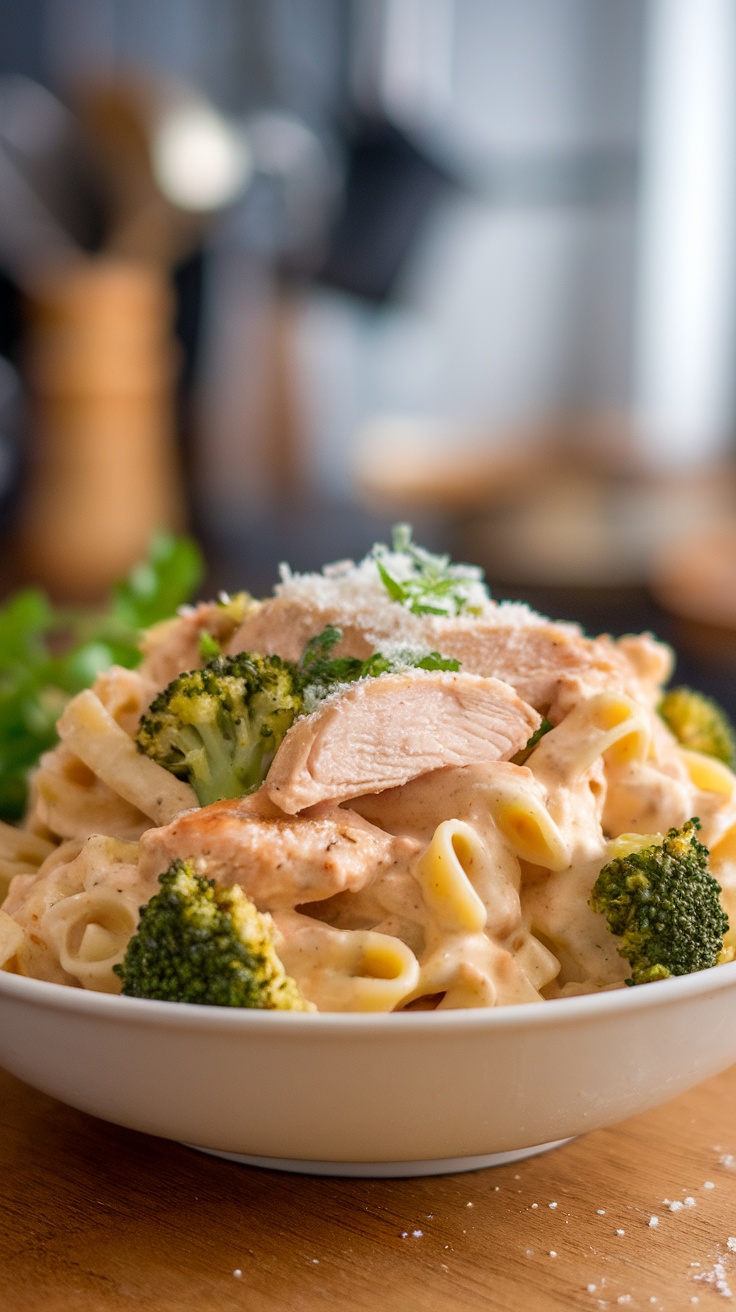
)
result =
(526, 751)
(425, 583)
(321, 673)
(209, 647)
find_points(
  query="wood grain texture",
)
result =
(94, 1217)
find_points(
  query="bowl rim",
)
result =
(528, 1015)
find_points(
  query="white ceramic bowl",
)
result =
(399, 1094)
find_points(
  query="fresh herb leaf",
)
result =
(425, 583)
(48, 654)
(318, 649)
(321, 673)
(526, 751)
(209, 647)
(433, 661)
(154, 589)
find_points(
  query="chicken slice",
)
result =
(382, 732)
(175, 645)
(283, 627)
(536, 660)
(279, 861)
(546, 662)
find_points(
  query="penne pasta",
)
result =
(528, 827)
(89, 933)
(346, 970)
(445, 873)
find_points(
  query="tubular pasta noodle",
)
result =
(725, 849)
(470, 987)
(20, 845)
(68, 799)
(538, 963)
(610, 725)
(89, 933)
(11, 939)
(90, 732)
(443, 874)
(125, 695)
(100, 865)
(527, 826)
(514, 977)
(473, 971)
(345, 970)
(21, 853)
(707, 773)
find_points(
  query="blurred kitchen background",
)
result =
(283, 272)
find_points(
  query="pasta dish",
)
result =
(424, 828)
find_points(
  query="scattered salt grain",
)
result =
(716, 1277)
(620, 1232)
(624, 1298)
(417, 1234)
(709, 1185)
(591, 1288)
(404, 1234)
(601, 1211)
(731, 1243)
(553, 1206)
(529, 1252)
(688, 1202)
(653, 1221)
(673, 1206)
(468, 1204)
(535, 1205)
(728, 1160)
(237, 1273)
(315, 1261)
(552, 1252)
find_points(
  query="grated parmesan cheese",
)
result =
(357, 595)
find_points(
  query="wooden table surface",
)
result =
(94, 1218)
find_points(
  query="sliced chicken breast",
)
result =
(283, 627)
(547, 663)
(380, 733)
(175, 645)
(279, 861)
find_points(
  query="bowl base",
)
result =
(385, 1170)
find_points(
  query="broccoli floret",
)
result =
(197, 942)
(699, 724)
(218, 728)
(660, 900)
